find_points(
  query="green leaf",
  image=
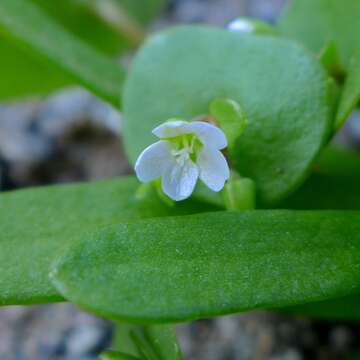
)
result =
(85, 24)
(34, 31)
(287, 125)
(323, 191)
(143, 11)
(190, 267)
(337, 160)
(350, 96)
(156, 342)
(230, 117)
(346, 308)
(333, 185)
(48, 219)
(114, 355)
(23, 74)
(329, 58)
(108, 25)
(318, 22)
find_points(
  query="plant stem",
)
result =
(122, 339)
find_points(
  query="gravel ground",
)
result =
(72, 136)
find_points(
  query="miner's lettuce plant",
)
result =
(151, 254)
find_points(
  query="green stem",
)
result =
(152, 342)
(239, 194)
(123, 341)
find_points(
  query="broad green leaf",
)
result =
(143, 11)
(85, 24)
(265, 75)
(323, 191)
(338, 160)
(116, 14)
(23, 74)
(346, 308)
(318, 22)
(90, 20)
(114, 355)
(334, 184)
(190, 267)
(32, 30)
(156, 342)
(36, 224)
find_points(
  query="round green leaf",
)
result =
(189, 267)
(282, 89)
(315, 23)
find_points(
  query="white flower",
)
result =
(186, 151)
(241, 25)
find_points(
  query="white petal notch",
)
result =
(186, 152)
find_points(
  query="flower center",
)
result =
(186, 146)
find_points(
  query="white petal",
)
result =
(179, 181)
(209, 134)
(241, 25)
(153, 161)
(172, 128)
(214, 169)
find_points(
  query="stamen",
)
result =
(186, 146)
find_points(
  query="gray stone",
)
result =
(57, 331)
(72, 108)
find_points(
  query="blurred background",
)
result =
(72, 136)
